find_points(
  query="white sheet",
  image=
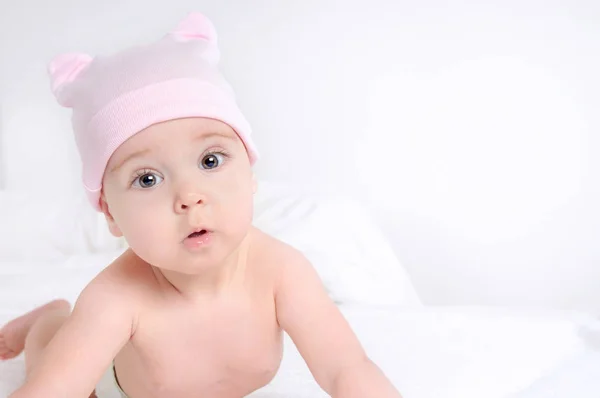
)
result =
(576, 377)
(462, 353)
(426, 352)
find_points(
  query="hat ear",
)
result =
(197, 26)
(64, 69)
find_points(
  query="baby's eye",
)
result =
(147, 180)
(211, 161)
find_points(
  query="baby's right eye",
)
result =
(147, 180)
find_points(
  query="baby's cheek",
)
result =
(234, 204)
(241, 211)
(233, 191)
(150, 242)
(140, 228)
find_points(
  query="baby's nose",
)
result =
(188, 200)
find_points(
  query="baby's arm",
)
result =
(77, 356)
(323, 337)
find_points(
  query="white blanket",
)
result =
(465, 353)
(426, 352)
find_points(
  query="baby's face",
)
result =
(175, 178)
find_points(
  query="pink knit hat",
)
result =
(117, 96)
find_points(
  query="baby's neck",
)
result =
(210, 283)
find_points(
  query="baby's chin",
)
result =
(184, 261)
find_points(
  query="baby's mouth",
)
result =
(198, 239)
(197, 233)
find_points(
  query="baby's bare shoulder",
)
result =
(114, 297)
(274, 255)
(127, 279)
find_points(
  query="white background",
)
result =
(470, 130)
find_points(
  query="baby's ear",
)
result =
(197, 26)
(112, 224)
(63, 70)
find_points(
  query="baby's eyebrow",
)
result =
(130, 157)
(213, 134)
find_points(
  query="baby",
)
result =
(196, 306)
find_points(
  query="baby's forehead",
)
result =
(192, 125)
(179, 133)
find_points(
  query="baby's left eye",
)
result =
(211, 161)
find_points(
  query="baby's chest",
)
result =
(225, 346)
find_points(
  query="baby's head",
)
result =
(165, 150)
